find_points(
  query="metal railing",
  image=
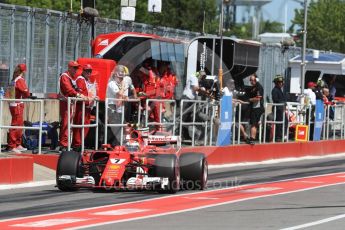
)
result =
(49, 39)
(237, 122)
(196, 107)
(39, 128)
(297, 114)
(202, 118)
(71, 103)
(274, 121)
(213, 126)
(151, 104)
(337, 123)
(113, 101)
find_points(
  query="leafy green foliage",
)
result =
(244, 30)
(182, 14)
(325, 25)
(48, 4)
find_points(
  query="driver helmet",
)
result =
(132, 146)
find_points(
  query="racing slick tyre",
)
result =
(194, 171)
(167, 165)
(68, 165)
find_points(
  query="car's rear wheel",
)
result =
(194, 171)
(68, 165)
(167, 165)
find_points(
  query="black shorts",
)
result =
(255, 115)
(244, 113)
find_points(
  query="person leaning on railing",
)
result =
(190, 92)
(84, 87)
(327, 100)
(67, 89)
(279, 97)
(116, 90)
(19, 91)
(310, 93)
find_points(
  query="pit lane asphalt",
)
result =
(48, 199)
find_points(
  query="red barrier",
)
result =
(46, 160)
(15, 170)
(263, 152)
(215, 155)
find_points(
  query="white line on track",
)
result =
(309, 182)
(49, 223)
(276, 161)
(27, 185)
(176, 195)
(201, 207)
(316, 222)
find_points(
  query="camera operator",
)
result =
(209, 87)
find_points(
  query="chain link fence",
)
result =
(46, 40)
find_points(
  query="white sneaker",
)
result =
(21, 148)
(15, 150)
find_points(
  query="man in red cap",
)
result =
(67, 89)
(86, 88)
(309, 92)
(20, 90)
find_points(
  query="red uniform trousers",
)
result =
(64, 122)
(77, 137)
(15, 135)
(155, 111)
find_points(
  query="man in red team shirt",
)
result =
(17, 108)
(84, 87)
(169, 82)
(67, 89)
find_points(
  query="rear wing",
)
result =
(162, 140)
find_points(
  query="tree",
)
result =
(326, 24)
(48, 4)
(181, 14)
(244, 30)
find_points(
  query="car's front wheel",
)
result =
(68, 166)
(167, 166)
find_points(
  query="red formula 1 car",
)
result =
(147, 161)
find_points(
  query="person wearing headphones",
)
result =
(256, 107)
(17, 108)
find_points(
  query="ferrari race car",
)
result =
(147, 161)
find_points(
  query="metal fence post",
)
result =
(1, 109)
(12, 41)
(46, 52)
(106, 121)
(41, 127)
(69, 123)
